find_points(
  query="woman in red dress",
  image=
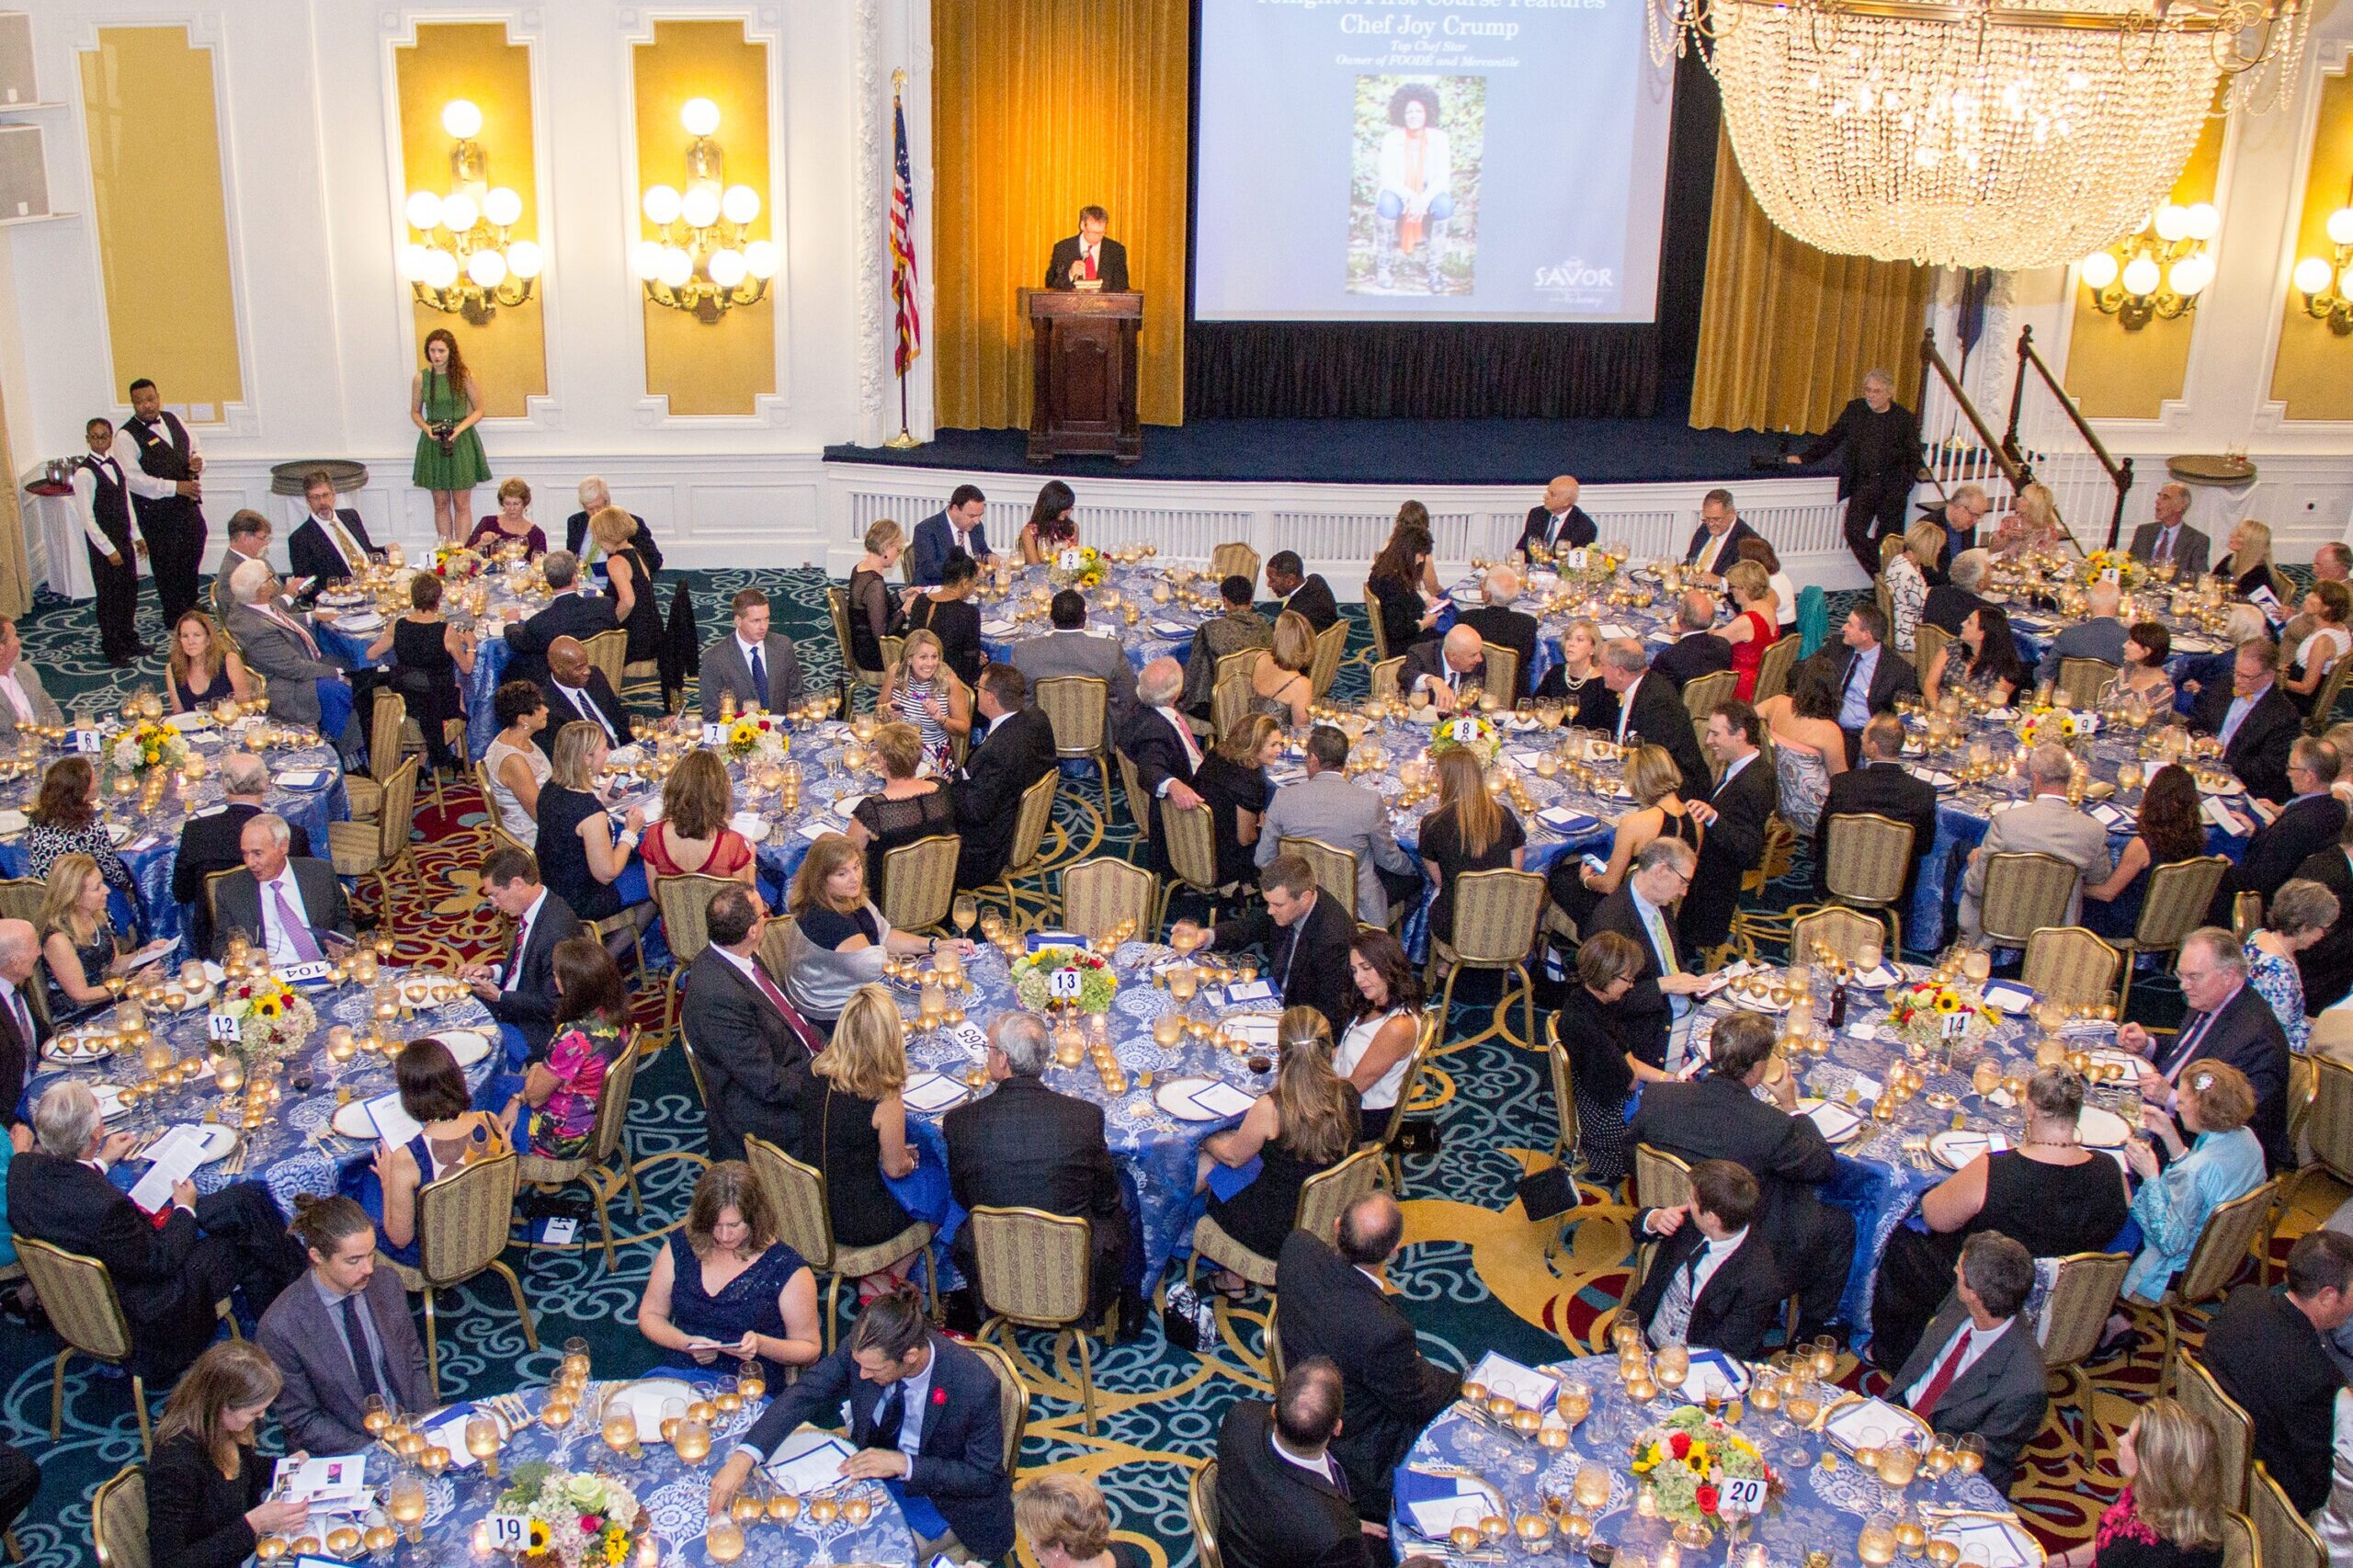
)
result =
(1754, 628)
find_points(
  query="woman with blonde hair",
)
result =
(1308, 1122)
(1067, 1525)
(2249, 566)
(581, 860)
(1906, 578)
(693, 838)
(1755, 628)
(2170, 1514)
(1578, 885)
(1278, 681)
(907, 807)
(207, 1489)
(2032, 525)
(837, 939)
(1578, 677)
(511, 524)
(920, 690)
(203, 668)
(1232, 781)
(854, 1124)
(77, 940)
(726, 1285)
(630, 581)
(1471, 831)
(2222, 1161)
(874, 611)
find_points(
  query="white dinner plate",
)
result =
(645, 1398)
(1807, 1106)
(1873, 1424)
(754, 828)
(466, 1046)
(2100, 1128)
(352, 1120)
(1174, 1095)
(1954, 1150)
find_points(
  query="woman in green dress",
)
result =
(445, 402)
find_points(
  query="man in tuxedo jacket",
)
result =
(1650, 708)
(1282, 1497)
(753, 1048)
(924, 1417)
(294, 909)
(1641, 910)
(1500, 625)
(1734, 814)
(1087, 257)
(1558, 523)
(760, 666)
(595, 496)
(2045, 824)
(170, 1271)
(2229, 1021)
(520, 990)
(331, 546)
(164, 463)
(1696, 649)
(2257, 722)
(1158, 742)
(570, 614)
(1717, 1117)
(1870, 675)
(1335, 1305)
(1012, 748)
(1715, 543)
(1295, 588)
(1452, 669)
(2269, 1354)
(1071, 649)
(1329, 806)
(2309, 824)
(1879, 441)
(577, 690)
(1951, 602)
(1024, 1146)
(2170, 537)
(1305, 937)
(22, 1032)
(1713, 1283)
(954, 526)
(1978, 1368)
(213, 841)
(1879, 786)
(2327, 965)
(102, 497)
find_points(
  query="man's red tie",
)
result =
(767, 988)
(1926, 1407)
(1090, 266)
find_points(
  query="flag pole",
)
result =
(902, 281)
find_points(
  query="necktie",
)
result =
(24, 1020)
(2240, 708)
(759, 677)
(1185, 738)
(297, 627)
(356, 1338)
(1926, 1406)
(353, 556)
(1298, 932)
(2165, 546)
(1672, 1323)
(298, 935)
(767, 988)
(515, 959)
(1090, 261)
(2186, 1043)
(888, 1416)
(590, 711)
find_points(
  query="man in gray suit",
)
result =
(2171, 538)
(277, 644)
(1978, 1367)
(2045, 823)
(758, 665)
(248, 540)
(22, 698)
(340, 1333)
(1327, 806)
(294, 908)
(2100, 636)
(1071, 649)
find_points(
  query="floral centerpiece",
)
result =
(1097, 984)
(1920, 1012)
(1685, 1459)
(273, 1020)
(1078, 568)
(455, 563)
(1473, 733)
(2101, 562)
(757, 737)
(147, 745)
(2042, 724)
(574, 1520)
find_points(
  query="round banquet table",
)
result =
(1885, 1165)
(298, 1151)
(149, 842)
(1650, 625)
(1160, 631)
(1822, 1506)
(676, 1495)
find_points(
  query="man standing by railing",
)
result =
(1881, 441)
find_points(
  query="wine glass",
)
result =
(482, 1442)
(404, 1502)
(965, 912)
(723, 1538)
(1876, 1545)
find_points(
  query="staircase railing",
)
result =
(2073, 461)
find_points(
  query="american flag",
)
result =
(903, 241)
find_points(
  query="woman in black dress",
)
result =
(875, 612)
(1051, 529)
(854, 1124)
(1469, 832)
(2170, 1513)
(581, 860)
(626, 575)
(953, 618)
(1068, 1524)
(1397, 586)
(1233, 780)
(429, 655)
(204, 669)
(2050, 1194)
(1604, 1066)
(1310, 1121)
(205, 1482)
(1576, 679)
(906, 808)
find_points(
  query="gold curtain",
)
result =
(1786, 331)
(15, 566)
(1040, 108)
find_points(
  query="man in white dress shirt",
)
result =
(164, 464)
(22, 700)
(1978, 1368)
(102, 492)
(294, 908)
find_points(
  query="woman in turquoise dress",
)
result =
(2224, 1162)
(445, 403)
(726, 1288)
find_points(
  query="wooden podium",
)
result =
(1083, 391)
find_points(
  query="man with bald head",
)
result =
(2170, 537)
(1500, 626)
(1161, 746)
(2100, 635)
(1696, 649)
(1452, 671)
(578, 690)
(1558, 522)
(21, 1034)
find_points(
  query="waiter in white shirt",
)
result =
(164, 464)
(102, 490)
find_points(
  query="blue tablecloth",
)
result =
(1141, 643)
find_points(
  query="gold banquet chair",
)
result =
(2327, 1123)
(593, 1167)
(1078, 708)
(1334, 868)
(1701, 695)
(805, 1224)
(1323, 1198)
(1330, 645)
(1385, 673)
(1235, 558)
(1011, 1399)
(463, 1219)
(1229, 703)
(1191, 842)
(1034, 1271)
(1843, 931)
(2024, 892)
(1502, 677)
(2239, 1549)
(2084, 679)
(1565, 1130)
(1031, 819)
(20, 899)
(1865, 859)
(1425, 1040)
(2234, 1429)
(499, 837)
(386, 722)
(2174, 907)
(1098, 894)
(2214, 1263)
(379, 848)
(919, 883)
(1201, 1509)
(684, 902)
(1495, 914)
(1139, 803)
(837, 608)
(2288, 1538)
(2075, 1317)
(609, 653)
(118, 1520)
(78, 1294)
(1773, 669)
(1929, 640)
(2070, 964)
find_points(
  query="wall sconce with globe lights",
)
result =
(2327, 282)
(704, 261)
(465, 260)
(2163, 269)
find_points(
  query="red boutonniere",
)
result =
(939, 1396)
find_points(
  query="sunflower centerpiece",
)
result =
(273, 1019)
(1923, 1014)
(1078, 567)
(571, 1521)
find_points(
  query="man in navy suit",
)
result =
(1715, 543)
(332, 545)
(2229, 1021)
(955, 526)
(923, 1416)
(1558, 523)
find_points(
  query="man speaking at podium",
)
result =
(1087, 260)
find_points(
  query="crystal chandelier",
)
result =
(2007, 134)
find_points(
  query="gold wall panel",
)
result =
(2313, 374)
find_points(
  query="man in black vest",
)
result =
(103, 488)
(164, 467)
